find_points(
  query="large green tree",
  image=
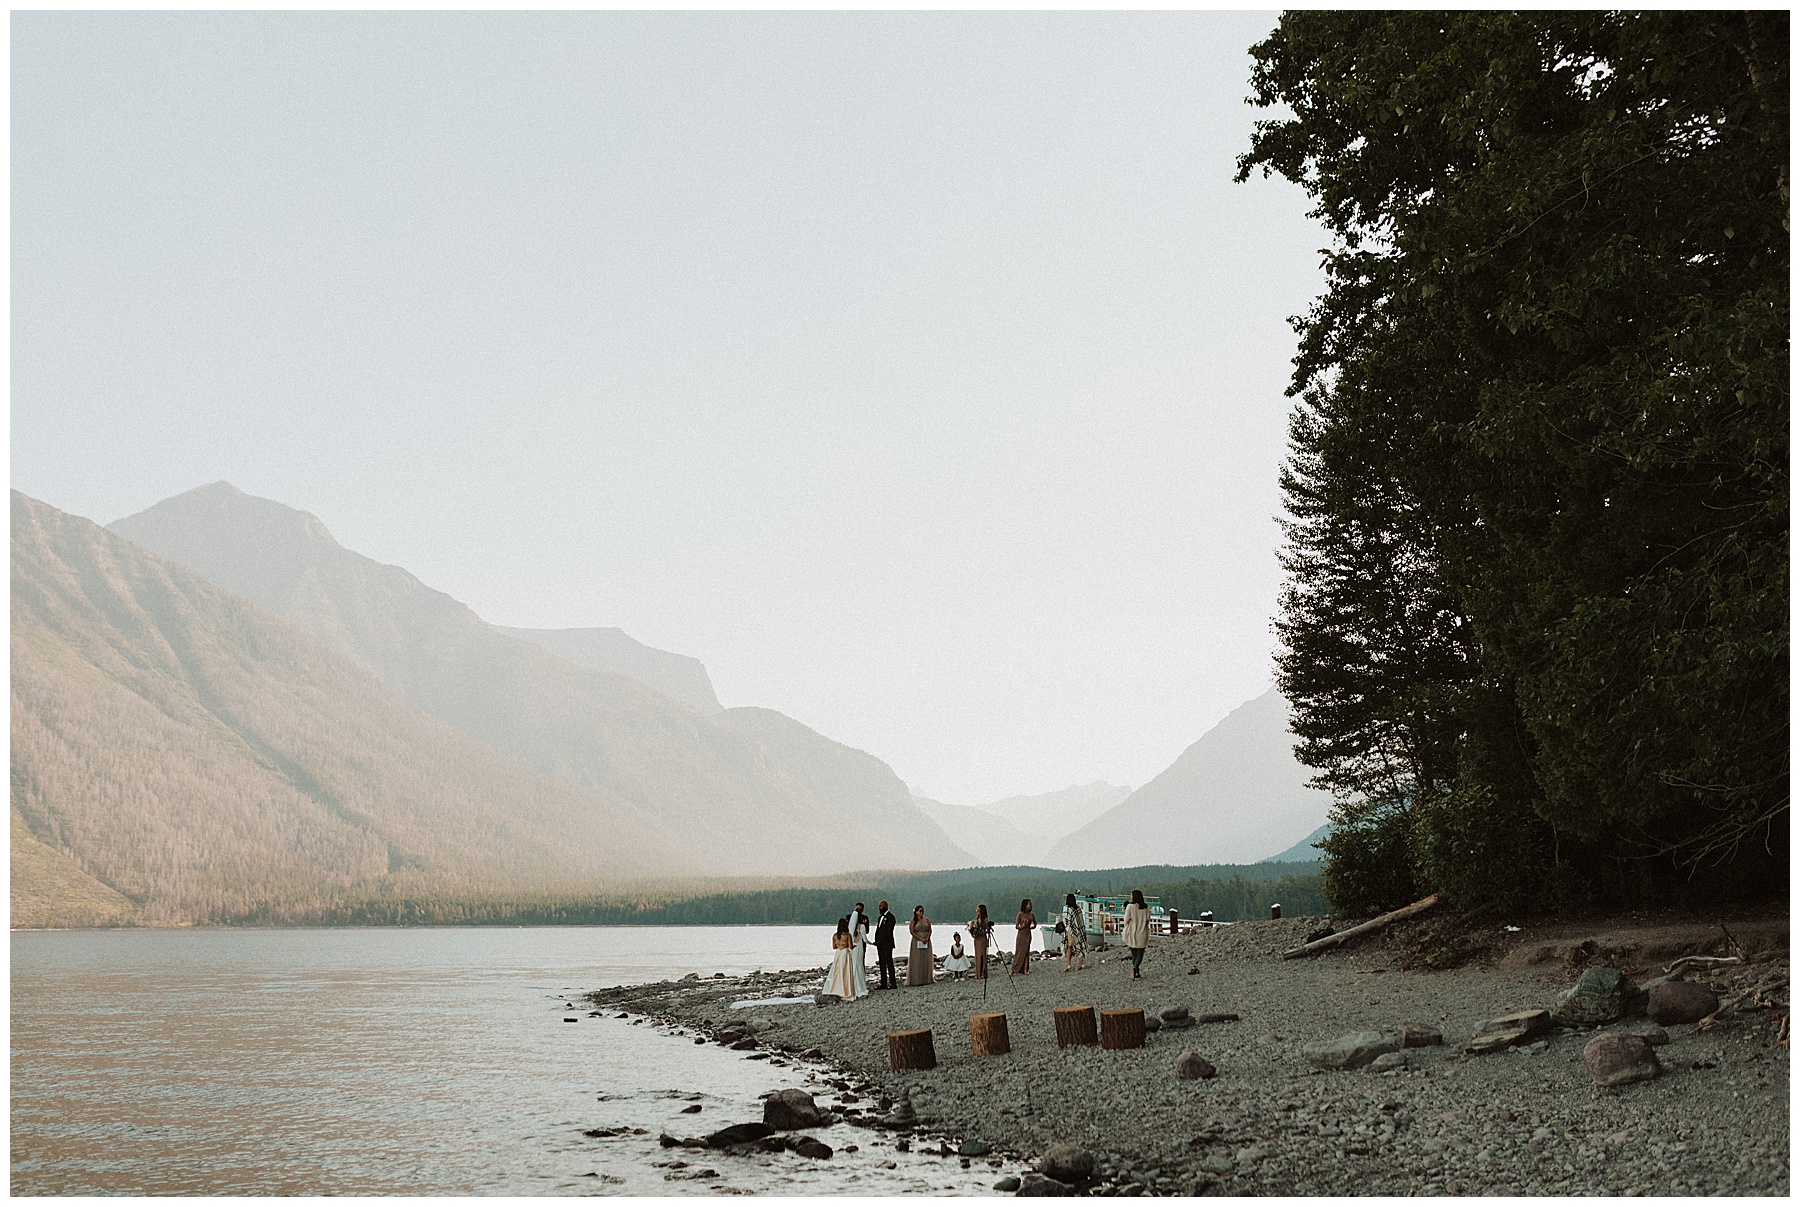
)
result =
(1538, 554)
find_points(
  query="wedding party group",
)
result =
(848, 978)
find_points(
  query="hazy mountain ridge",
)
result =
(180, 748)
(737, 790)
(1304, 851)
(1231, 797)
(1023, 829)
(991, 839)
(675, 675)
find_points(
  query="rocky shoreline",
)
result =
(1705, 1112)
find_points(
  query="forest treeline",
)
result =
(1231, 893)
(1535, 624)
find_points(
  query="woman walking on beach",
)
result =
(981, 930)
(1137, 931)
(1074, 934)
(1026, 923)
(840, 981)
(919, 959)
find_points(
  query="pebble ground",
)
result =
(1522, 1122)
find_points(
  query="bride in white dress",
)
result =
(859, 940)
(840, 981)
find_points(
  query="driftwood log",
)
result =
(1719, 1014)
(1686, 962)
(987, 1032)
(1075, 1025)
(1121, 1029)
(911, 1050)
(1373, 924)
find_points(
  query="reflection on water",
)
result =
(394, 1062)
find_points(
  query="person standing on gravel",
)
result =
(1026, 923)
(884, 946)
(920, 960)
(1074, 934)
(981, 930)
(1137, 931)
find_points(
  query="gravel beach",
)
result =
(1524, 1120)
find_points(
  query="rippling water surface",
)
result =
(415, 1061)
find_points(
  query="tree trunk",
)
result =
(1329, 941)
(911, 1050)
(988, 1033)
(1075, 1025)
(1121, 1029)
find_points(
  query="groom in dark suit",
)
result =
(884, 946)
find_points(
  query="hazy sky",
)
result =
(921, 373)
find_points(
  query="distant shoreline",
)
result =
(1230, 892)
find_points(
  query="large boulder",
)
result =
(1616, 1059)
(1067, 1163)
(1602, 995)
(812, 1146)
(1508, 1030)
(793, 1110)
(1191, 1066)
(1680, 1002)
(1351, 1051)
(739, 1133)
(1038, 1186)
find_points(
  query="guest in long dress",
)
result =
(957, 962)
(1074, 934)
(1137, 931)
(981, 933)
(859, 963)
(1026, 923)
(919, 959)
(840, 981)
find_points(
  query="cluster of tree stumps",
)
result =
(1075, 1026)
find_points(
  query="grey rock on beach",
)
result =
(793, 1110)
(1616, 1059)
(1351, 1051)
(1191, 1066)
(1067, 1163)
(1600, 996)
(1521, 1026)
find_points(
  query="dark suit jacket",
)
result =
(884, 930)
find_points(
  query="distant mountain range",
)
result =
(179, 754)
(1231, 797)
(1022, 829)
(218, 708)
(742, 790)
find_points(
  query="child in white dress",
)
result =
(957, 962)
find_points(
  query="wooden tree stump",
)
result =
(1121, 1029)
(911, 1050)
(1075, 1025)
(988, 1033)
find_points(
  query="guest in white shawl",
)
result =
(859, 935)
(841, 981)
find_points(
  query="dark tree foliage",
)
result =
(1536, 620)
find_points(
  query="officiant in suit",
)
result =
(884, 946)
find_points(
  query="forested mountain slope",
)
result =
(1232, 797)
(742, 791)
(177, 750)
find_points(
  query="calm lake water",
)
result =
(403, 1061)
